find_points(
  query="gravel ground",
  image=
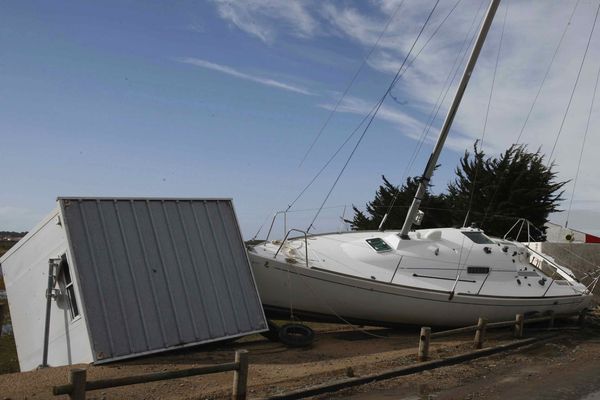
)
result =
(276, 369)
(273, 367)
(566, 368)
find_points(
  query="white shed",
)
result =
(129, 277)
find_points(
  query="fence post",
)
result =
(581, 319)
(2, 306)
(480, 333)
(424, 339)
(551, 321)
(78, 379)
(240, 375)
(519, 319)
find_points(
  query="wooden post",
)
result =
(480, 333)
(551, 320)
(519, 319)
(2, 306)
(78, 380)
(581, 319)
(424, 338)
(240, 375)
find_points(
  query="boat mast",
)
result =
(433, 158)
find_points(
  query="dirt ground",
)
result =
(564, 368)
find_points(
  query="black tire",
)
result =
(273, 333)
(296, 335)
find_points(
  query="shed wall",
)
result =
(158, 274)
(25, 269)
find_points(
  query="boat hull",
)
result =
(326, 295)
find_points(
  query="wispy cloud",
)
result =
(354, 105)
(241, 75)
(403, 121)
(262, 17)
(531, 34)
(527, 48)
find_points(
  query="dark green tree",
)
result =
(491, 192)
(434, 205)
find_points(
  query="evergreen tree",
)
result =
(434, 205)
(491, 192)
(496, 191)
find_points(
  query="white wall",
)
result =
(25, 269)
(558, 234)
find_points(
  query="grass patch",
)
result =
(9, 362)
(8, 350)
(5, 245)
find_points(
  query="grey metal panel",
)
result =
(156, 274)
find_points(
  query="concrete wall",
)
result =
(582, 258)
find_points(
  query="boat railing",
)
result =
(284, 213)
(589, 279)
(539, 260)
(305, 243)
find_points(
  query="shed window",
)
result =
(64, 276)
(378, 244)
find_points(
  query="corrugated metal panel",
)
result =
(160, 273)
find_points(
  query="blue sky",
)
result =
(223, 98)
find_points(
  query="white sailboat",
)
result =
(446, 276)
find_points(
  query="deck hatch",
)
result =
(379, 245)
(478, 237)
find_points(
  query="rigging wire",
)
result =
(574, 86)
(537, 95)
(260, 227)
(535, 99)
(449, 209)
(587, 128)
(427, 42)
(366, 117)
(460, 55)
(379, 104)
(452, 75)
(447, 84)
(343, 96)
(330, 159)
(487, 114)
